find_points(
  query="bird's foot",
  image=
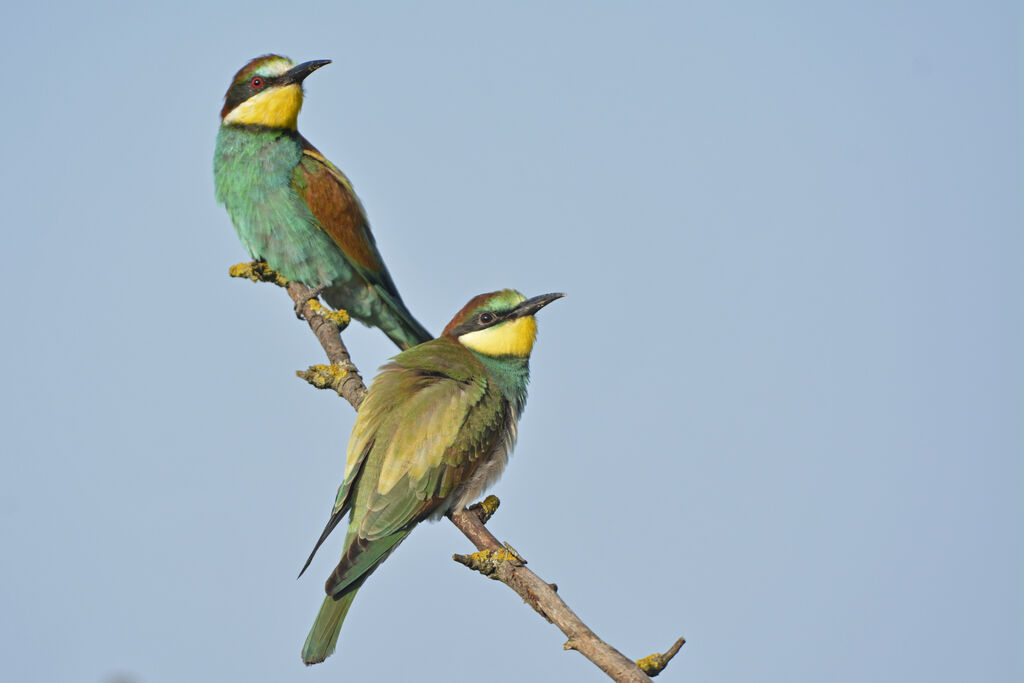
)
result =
(310, 296)
(486, 508)
(257, 271)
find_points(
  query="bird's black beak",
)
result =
(534, 304)
(297, 74)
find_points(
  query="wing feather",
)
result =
(368, 292)
(336, 207)
(429, 417)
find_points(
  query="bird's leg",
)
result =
(310, 295)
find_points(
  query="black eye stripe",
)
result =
(265, 82)
(474, 323)
(240, 92)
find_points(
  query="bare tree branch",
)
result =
(342, 375)
(494, 559)
(499, 561)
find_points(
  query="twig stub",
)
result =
(653, 665)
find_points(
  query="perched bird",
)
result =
(293, 208)
(434, 431)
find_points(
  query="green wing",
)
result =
(429, 417)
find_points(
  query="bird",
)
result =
(435, 430)
(294, 209)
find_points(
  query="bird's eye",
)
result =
(257, 83)
(486, 318)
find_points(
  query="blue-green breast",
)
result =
(253, 171)
(512, 375)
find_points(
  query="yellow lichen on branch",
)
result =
(340, 318)
(486, 508)
(652, 665)
(324, 376)
(488, 561)
(257, 271)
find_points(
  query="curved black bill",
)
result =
(534, 304)
(297, 74)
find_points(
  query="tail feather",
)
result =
(323, 637)
(403, 329)
(389, 314)
(360, 559)
(331, 523)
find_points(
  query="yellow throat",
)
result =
(275, 108)
(512, 338)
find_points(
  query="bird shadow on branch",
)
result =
(494, 559)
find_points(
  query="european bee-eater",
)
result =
(435, 430)
(292, 207)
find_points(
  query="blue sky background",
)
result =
(779, 412)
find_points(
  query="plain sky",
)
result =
(778, 413)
